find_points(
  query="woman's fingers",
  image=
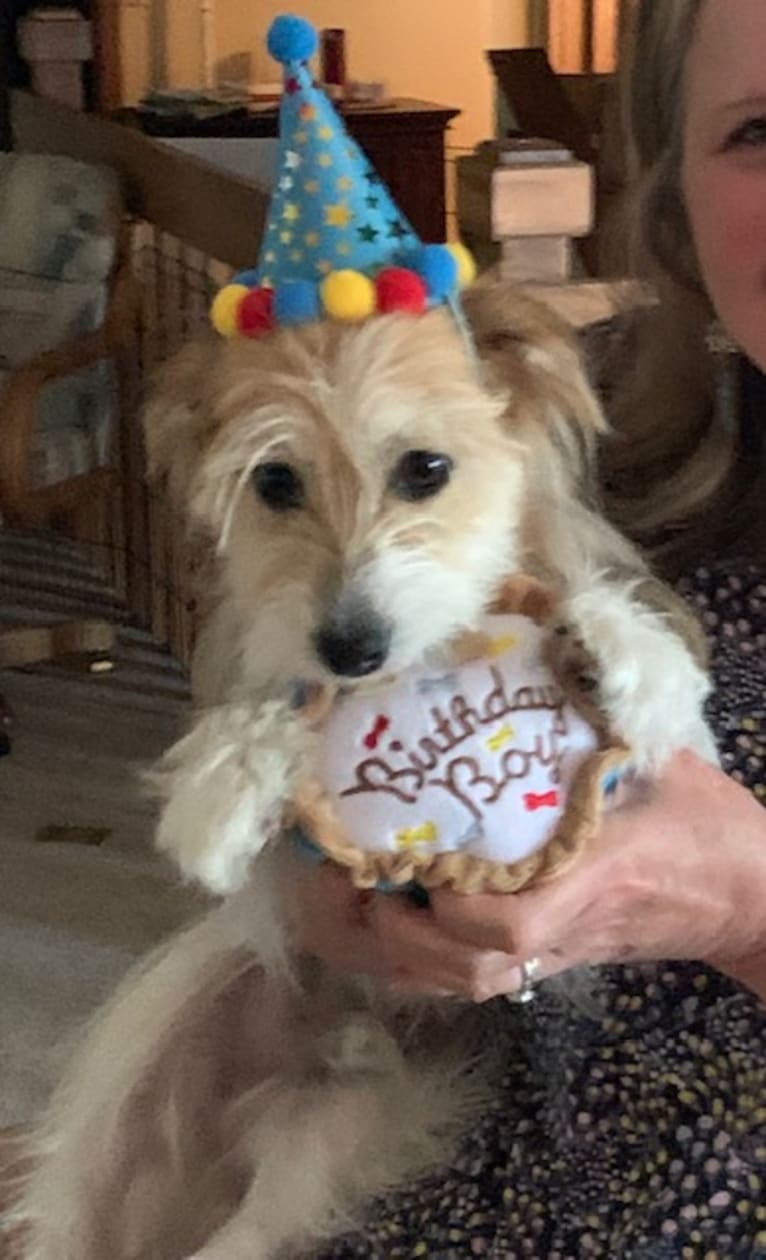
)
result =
(522, 925)
(552, 915)
(418, 950)
(383, 934)
(450, 948)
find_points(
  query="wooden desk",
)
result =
(405, 141)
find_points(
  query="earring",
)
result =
(726, 355)
(718, 340)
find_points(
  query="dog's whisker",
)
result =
(238, 459)
(257, 457)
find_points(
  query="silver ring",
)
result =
(526, 990)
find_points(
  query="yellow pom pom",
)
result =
(225, 308)
(348, 296)
(465, 263)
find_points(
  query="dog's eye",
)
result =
(278, 486)
(420, 474)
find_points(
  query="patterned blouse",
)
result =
(635, 1133)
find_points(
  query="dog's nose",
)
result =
(352, 651)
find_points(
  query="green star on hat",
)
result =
(336, 245)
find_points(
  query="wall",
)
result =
(431, 49)
(584, 34)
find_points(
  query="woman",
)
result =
(643, 1133)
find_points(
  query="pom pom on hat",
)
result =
(296, 302)
(256, 313)
(466, 264)
(224, 313)
(249, 278)
(399, 289)
(292, 40)
(348, 296)
(438, 267)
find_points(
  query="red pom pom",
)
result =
(400, 290)
(256, 312)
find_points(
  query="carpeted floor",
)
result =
(73, 917)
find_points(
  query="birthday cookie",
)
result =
(485, 774)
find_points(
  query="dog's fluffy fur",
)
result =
(235, 1100)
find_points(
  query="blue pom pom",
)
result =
(611, 781)
(296, 302)
(291, 40)
(249, 278)
(438, 267)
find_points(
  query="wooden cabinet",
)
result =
(405, 141)
(406, 145)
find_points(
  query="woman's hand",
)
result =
(678, 871)
(384, 935)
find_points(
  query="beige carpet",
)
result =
(73, 917)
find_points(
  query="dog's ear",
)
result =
(535, 358)
(176, 417)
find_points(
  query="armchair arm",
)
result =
(20, 399)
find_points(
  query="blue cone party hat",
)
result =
(336, 245)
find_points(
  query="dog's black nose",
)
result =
(354, 650)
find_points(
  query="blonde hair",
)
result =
(675, 475)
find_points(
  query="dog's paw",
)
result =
(223, 787)
(640, 673)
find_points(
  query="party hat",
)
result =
(336, 244)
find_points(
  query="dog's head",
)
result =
(369, 486)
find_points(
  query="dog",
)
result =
(366, 488)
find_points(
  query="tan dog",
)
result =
(366, 488)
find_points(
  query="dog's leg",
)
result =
(131, 1158)
(222, 1106)
(644, 660)
(322, 1148)
(643, 676)
(223, 787)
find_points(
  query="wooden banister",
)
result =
(217, 213)
(190, 224)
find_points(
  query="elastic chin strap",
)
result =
(464, 328)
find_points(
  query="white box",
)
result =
(542, 200)
(55, 35)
